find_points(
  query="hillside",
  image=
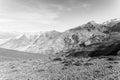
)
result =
(13, 55)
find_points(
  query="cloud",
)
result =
(17, 14)
(27, 21)
(54, 14)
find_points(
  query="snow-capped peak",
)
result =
(19, 36)
(116, 20)
(29, 34)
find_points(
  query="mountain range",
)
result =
(87, 37)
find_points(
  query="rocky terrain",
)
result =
(88, 52)
(104, 68)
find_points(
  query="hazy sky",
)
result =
(45, 15)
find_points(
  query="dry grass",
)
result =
(69, 69)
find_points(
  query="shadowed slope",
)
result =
(19, 55)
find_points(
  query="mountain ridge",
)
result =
(75, 38)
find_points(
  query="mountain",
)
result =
(5, 36)
(111, 22)
(44, 43)
(87, 52)
(19, 42)
(78, 38)
(92, 40)
(34, 43)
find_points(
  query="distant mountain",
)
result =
(111, 22)
(34, 43)
(16, 43)
(44, 43)
(5, 36)
(20, 42)
(76, 38)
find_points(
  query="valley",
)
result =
(13, 55)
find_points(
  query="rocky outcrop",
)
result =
(108, 47)
(92, 40)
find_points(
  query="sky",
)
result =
(60, 15)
